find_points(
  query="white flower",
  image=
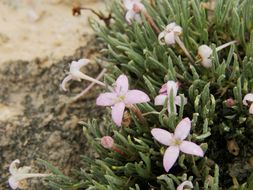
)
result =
(185, 183)
(248, 98)
(134, 8)
(19, 174)
(168, 36)
(76, 74)
(205, 52)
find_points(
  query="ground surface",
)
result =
(36, 118)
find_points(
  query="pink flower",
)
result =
(134, 8)
(188, 183)
(176, 143)
(76, 74)
(165, 94)
(248, 98)
(168, 36)
(120, 98)
(205, 52)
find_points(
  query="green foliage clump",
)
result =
(135, 51)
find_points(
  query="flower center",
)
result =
(176, 142)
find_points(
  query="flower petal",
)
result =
(135, 97)
(170, 26)
(247, 97)
(161, 38)
(106, 99)
(204, 51)
(13, 182)
(191, 148)
(183, 129)
(172, 85)
(13, 168)
(128, 4)
(162, 136)
(137, 18)
(160, 99)
(170, 157)
(121, 85)
(117, 113)
(65, 81)
(76, 65)
(163, 89)
(130, 16)
(177, 100)
(177, 29)
(251, 109)
(169, 38)
(185, 183)
(207, 63)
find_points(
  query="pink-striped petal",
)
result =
(135, 97)
(117, 113)
(121, 85)
(185, 183)
(170, 157)
(160, 99)
(162, 136)
(183, 129)
(191, 148)
(247, 97)
(106, 99)
(169, 38)
(177, 100)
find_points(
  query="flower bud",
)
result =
(107, 142)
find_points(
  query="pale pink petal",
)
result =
(65, 81)
(13, 182)
(185, 183)
(170, 157)
(170, 26)
(106, 99)
(121, 85)
(76, 65)
(172, 85)
(130, 16)
(13, 167)
(160, 99)
(117, 113)
(162, 136)
(161, 38)
(191, 148)
(163, 89)
(207, 63)
(137, 18)
(169, 38)
(177, 100)
(136, 97)
(177, 29)
(128, 4)
(247, 97)
(183, 129)
(251, 109)
(204, 51)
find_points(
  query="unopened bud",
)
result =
(107, 142)
(230, 102)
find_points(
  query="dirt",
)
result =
(37, 119)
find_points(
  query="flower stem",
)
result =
(182, 46)
(138, 114)
(86, 77)
(225, 45)
(151, 22)
(101, 74)
(116, 149)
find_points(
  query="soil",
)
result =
(37, 119)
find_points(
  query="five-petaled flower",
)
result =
(76, 74)
(134, 8)
(176, 143)
(20, 174)
(248, 98)
(168, 89)
(185, 183)
(168, 36)
(120, 98)
(205, 52)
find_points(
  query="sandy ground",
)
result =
(38, 40)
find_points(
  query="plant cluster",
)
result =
(190, 121)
